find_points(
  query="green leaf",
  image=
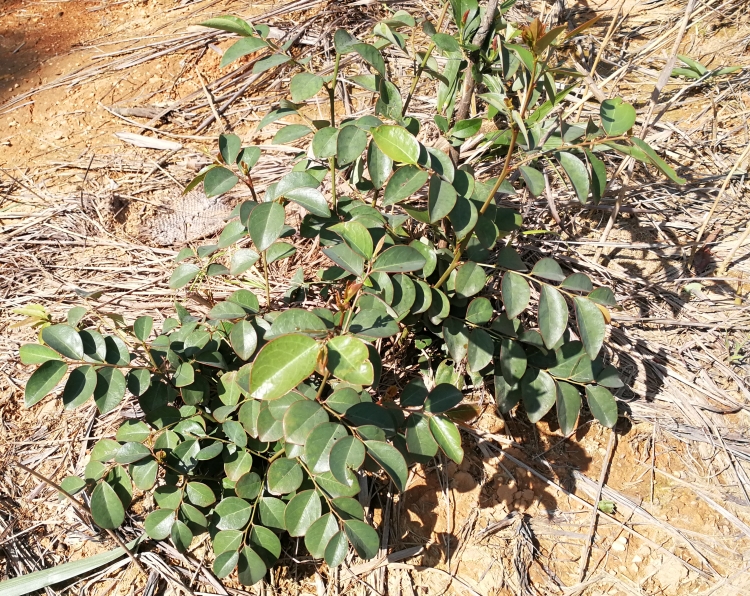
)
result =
(225, 562)
(65, 340)
(391, 460)
(343, 41)
(250, 567)
(441, 198)
(319, 535)
(241, 48)
(598, 176)
(348, 360)
(144, 473)
(231, 24)
(590, 325)
(363, 538)
(131, 452)
(548, 268)
(183, 275)
(419, 439)
(346, 258)
(311, 199)
(602, 405)
(480, 311)
(397, 143)
(539, 393)
(319, 444)
(301, 512)
(104, 450)
(284, 476)
(658, 161)
(218, 181)
(233, 513)
(158, 524)
(609, 377)
(296, 320)
(481, 348)
(299, 420)
(423, 296)
(439, 308)
(282, 364)
(371, 55)
(266, 225)
(238, 464)
(305, 85)
(373, 324)
(399, 259)
(266, 544)
(249, 486)
(72, 485)
(110, 389)
(404, 183)
(578, 174)
(568, 406)
(347, 454)
(508, 258)
(516, 294)
(337, 548)
(43, 380)
(534, 180)
(443, 397)
(456, 337)
(243, 339)
(448, 437)
(271, 512)
(133, 430)
(352, 141)
(470, 280)
(37, 354)
(227, 311)
(106, 507)
(577, 282)
(617, 116)
(242, 260)
(232, 232)
(229, 147)
(603, 296)
(379, 165)
(270, 62)
(290, 133)
(200, 494)
(247, 158)
(553, 315)
(227, 540)
(324, 142)
(356, 236)
(184, 375)
(142, 327)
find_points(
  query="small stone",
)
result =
(637, 559)
(620, 544)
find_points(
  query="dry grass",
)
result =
(518, 516)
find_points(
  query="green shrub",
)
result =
(258, 417)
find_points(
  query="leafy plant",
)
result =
(259, 416)
(696, 70)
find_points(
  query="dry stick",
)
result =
(83, 511)
(594, 515)
(210, 100)
(660, 84)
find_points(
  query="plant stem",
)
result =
(332, 108)
(420, 68)
(332, 167)
(265, 277)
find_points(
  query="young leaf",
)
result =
(282, 364)
(658, 161)
(231, 24)
(553, 315)
(397, 143)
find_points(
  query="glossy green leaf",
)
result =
(183, 275)
(348, 453)
(301, 512)
(65, 340)
(391, 460)
(250, 567)
(227, 540)
(305, 85)
(37, 354)
(419, 439)
(553, 315)
(233, 513)
(470, 280)
(539, 393)
(43, 381)
(184, 375)
(238, 464)
(397, 143)
(602, 405)
(158, 524)
(131, 452)
(617, 116)
(443, 397)
(363, 538)
(405, 181)
(441, 198)
(142, 327)
(242, 259)
(336, 550)
(351, 143)
(399, 259)
(591, 325)
(448, 437)
(283, 476)
(266, 544)
(356, 236)
(282, 364)
(144, 473)
(439, 308)
(218, 181)
(243, 339)
(319, 444)
(229, 147)
(348, 359)
(456, 336)
(109, 390)
(516, 294)
(225, 562)
(609, 377)
(373, 324)
(200, 494)
(266, 225)
(324, 142)
(568, 406)
(106, 507)
(346, 258)
(379, 165)
(271, 512)
(319, 535)
(480, 311)
(578, 174)
(371, 55)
